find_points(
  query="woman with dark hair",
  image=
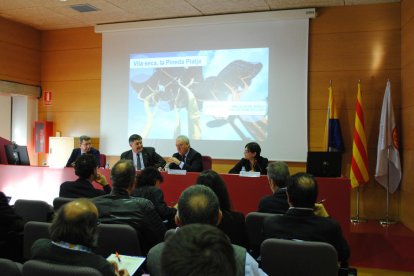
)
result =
(148, 186)
(252, 160)
(232, 223)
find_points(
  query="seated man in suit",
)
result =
(85, 146)
(306, 220)
(203, 250)
(141, 156)
(73, 235)
(120, 208)
(277, 175)
(85, 169)
(199, 204)
(186, 158)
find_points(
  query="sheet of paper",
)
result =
(249, 174)
(130, 263)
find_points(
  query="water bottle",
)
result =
(107, 165)
(243, 169)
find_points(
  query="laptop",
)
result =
(324, 164)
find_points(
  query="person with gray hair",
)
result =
(120, 208)
(85, 146)
(277, 175)
(186, 158)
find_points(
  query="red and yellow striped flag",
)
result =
(359, 168)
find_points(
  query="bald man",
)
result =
(73, 235)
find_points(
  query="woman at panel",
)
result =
(232, 223)
(252, 160)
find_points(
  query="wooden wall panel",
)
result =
(19, 53)
(71, 69)
(407, 112)
(348, 44)
(359, 18)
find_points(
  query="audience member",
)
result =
(73, 236)
(85, 146)
(186, 158)
(85, 169)
(301, 223)
(11, 231)
(198, 249)
(277, 175)
(120, 207)
(199, 204)
(148, 186)
(141, 156)
(232, 223)
(252, 160)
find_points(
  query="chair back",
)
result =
(296, 258)
(102, 160)
(59, 201)
(10, 268)
(36, 268)
(117, 237)
(33, 210)
(254, 225)
(34, 230)
(207, 162)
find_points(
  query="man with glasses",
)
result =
(85, 146)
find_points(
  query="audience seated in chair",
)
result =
(85, 169)
(232, 223)
(11, 231)
(199, 204)
(277, 175)
(120, 208)
(305, 220)
(73, 235)
(203, 250)
(148, 184)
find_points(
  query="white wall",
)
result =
(5, 118)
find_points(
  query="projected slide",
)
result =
(206, 95)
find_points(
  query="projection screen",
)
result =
(222, 80)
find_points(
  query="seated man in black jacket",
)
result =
(85, 146)
(277, 175)
(305, 220)
(120, 208)
(85, 168)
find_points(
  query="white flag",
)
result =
(388, 170)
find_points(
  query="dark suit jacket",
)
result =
(260, 166)
(234, 225)
(120, 208)
(77, 152)
(44, 250)
(81, 188)
(193, 162)
(149, 155)
(156, 196)
(304, 225)
(276, 203)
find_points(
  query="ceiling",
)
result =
(58, 14)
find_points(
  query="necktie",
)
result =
(138, 162)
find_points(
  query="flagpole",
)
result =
(387, 221)
(357, 218)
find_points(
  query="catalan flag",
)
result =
(359, 168)
(333, 136)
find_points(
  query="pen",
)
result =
(117, 256)
(322, 201)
